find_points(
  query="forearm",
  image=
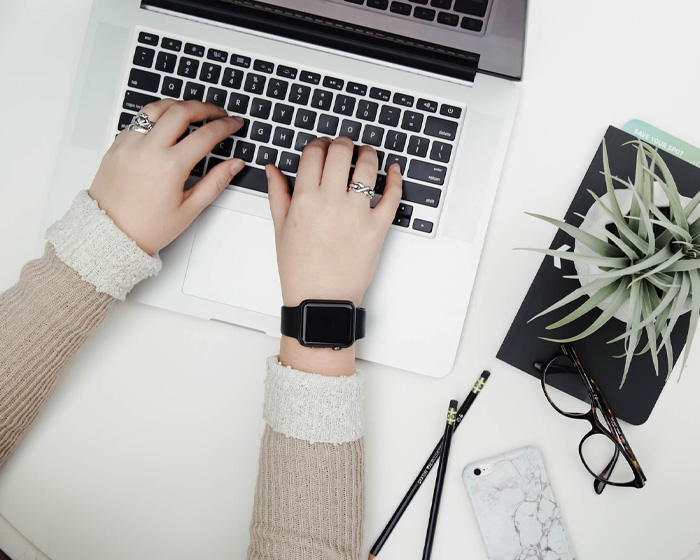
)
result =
(309, 499)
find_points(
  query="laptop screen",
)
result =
(455, 38)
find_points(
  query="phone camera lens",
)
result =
(477, 472)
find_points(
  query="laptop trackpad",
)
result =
(233, 261)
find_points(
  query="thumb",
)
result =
(212, 185)
(278, 193)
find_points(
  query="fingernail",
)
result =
(236, 166)
(396, 167)
(236, 118)
(221, 109)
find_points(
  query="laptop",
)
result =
(428, 83)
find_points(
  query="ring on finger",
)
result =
(358, 187)
(141, 123)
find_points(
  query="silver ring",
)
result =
(140, 123)
(358, 187)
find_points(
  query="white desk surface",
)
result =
(149, 447)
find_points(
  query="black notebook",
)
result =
(523, 346)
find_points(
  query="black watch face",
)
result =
(330, 324)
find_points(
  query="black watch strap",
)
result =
(291, 321)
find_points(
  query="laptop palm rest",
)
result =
(233, 261)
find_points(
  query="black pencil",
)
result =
(429, 464)
(440, 480)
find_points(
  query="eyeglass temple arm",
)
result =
(599, 485)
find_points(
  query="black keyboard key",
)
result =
(232, 78)
(193, 91)
(223, 148)
(344, 105)
(427, 105)
(188, 67)
(238, 60)
(194, 50)
(450, 111)
(135, 101)
(299, 94)
(423, 225)
(380, 94)
(171, 44)
(471, 24)
(243, 131)
(140, 79)
(442, 4)
(144, 57)
(389, 116)
(403, 99)
(423, 2)
(356, 1)
(412, 121)
(252, 178)
(260, 108)
(421, 194)
(322, 99)
(286, 72)
(441, 152)
(277, 89)
(283, 137)
(404, 210)
(401, 221)
(266, 155)
(333, 83)
(310, 77)
(418, 146)
(356, 89)
(367, 110)
(394, 158)
(395, 141)
(213, 162)
(148, 38)
(302, 140)
(244, 151)
(327, 125)
(216, 96)
(166, 62)
(471, 7)
(305, 119)
(260, 131)
(447, 19)
(210, 73)
(172, 87)
(198, 169)
(255, 83)
(263, 66)
(428, 172)
(282, 113)
(378, 4)
(380, 158)
(289, 162)
(124, 120)
(424, 13)
(238, 103)
(372, 135)
(440, 128)
(217, 55)
(400, 8)
(351, 129)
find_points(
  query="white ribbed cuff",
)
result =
(89, 242)
(313, 407)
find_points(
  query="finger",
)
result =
(176, 118)
(310, 170)
(365, 172)
(210, 186)
(385, 210)
(335, 174)
(154, 111)
(278, 193)
(204, 139)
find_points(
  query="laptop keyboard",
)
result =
(465, 15)
(285, 106)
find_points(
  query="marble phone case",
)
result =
(515, 508)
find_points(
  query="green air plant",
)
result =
(648, 260)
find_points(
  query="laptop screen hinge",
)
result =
(329, 33)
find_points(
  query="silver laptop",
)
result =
(428, 83)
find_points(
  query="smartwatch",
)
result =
(324, 323)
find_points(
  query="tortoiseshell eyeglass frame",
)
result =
(613, 430)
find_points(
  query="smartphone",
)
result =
(515, 508)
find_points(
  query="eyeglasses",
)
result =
(601, 448)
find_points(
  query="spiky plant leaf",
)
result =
(591, 241)
(592, 302)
